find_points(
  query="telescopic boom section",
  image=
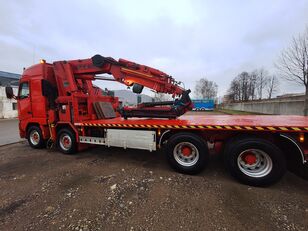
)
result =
(136, 75)
(128, 73)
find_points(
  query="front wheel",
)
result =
(255, 161)
(35, 137)
(66, 141)
(187, 153)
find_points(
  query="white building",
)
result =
(8, 107)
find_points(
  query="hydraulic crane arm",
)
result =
(128, 73)
(123, 71)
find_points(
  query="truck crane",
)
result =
(75, 78)
(58, 104)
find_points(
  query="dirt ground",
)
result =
(115, 189)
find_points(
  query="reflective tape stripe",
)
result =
(218, 127)
(271, 128)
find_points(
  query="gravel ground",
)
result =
(116, 189)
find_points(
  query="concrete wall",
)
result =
(280, 106)
(6, 105)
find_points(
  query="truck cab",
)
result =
(32, 104)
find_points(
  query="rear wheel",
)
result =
(187, 153)
(35, 137)
(66, 141)
(254, 161)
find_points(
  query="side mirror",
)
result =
(9, 92)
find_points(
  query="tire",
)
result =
(187, 153)
(35, 137)
(254, 161)
(66, 141)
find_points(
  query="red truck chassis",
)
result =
(58, 104)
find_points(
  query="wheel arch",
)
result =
(31, 124)
(167, 134)
(60, 126)
(287, 141)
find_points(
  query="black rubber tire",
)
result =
(198, 142)
(236, 146)
(41, 143)
(71, 134)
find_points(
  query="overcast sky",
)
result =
(186, 39)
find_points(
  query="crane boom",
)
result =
(70, 74)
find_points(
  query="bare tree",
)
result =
(234, 92)
(253, 85)
(244, 80)
(243, 87)
(272, 86)
(261, 76)
(249, 86)
(293, 63)
(206, 89)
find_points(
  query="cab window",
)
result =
(24, 90)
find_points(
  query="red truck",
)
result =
(59, 105)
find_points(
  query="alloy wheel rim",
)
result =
(255, 163)
(186, 154)
(34, 137)
(65, 142)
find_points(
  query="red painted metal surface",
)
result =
(123, 71)
(216, 120)
(75, 92)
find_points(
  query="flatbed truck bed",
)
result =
(272, 123)
(256, 148)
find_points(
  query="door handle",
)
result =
(29, 112)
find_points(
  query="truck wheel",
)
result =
(35, 137)
(187, 153)
(66, 141)
(255, 161)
